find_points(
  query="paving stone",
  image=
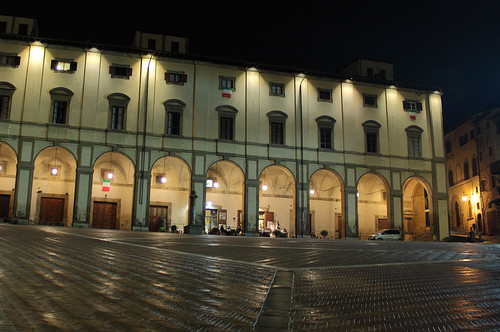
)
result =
(60, 279)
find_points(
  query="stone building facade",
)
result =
(140, 139)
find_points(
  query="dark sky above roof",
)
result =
(451, 44)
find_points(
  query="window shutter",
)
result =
(111, 70)
(184, 78)
(405, 105)
(129, 72)
(17, 60)
(167, 77)
(419, 106)
(72, 66)
(53, 64)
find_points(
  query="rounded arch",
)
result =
(277, 114)
(169, 194)
(112, 191)
(373, 197)
(224, 204)
(326, 190)
(61, 91)
(8, 173)
(117, 96)
(417, 209)
(277, 194)
(53, 186)
(226, 109)
(174, 103)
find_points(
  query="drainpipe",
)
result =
(301, 177)
(143, 152)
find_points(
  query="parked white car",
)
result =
(387, 234)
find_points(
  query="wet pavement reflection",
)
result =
(65, 279)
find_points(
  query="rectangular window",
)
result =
(412, 105)
(9, 60)
(120, 71)
(63, 66)
(173, 77)
(277, 89)
(174, 47)
(59, 112)
(174, 123)
(324, 95)
(369, 100)
(277, 133)
(414, 147)
(117, 117)
(226, 128)
(371, 142)
(325, 137)
(4, 107)
(152, 44)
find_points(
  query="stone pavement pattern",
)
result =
(66, 279)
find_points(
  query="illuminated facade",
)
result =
(95, 136)
(473, 173)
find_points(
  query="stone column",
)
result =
(251, 209)
(197, 205)
(351, 212)
(83, 187)
(142, 189)
(83, 197)
(24, 182)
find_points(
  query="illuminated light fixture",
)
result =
(264, 187)
(163, 180)
(216, 184)
(311, 191)
(464, 198)
(209, 205)
(53, 171)
(110, 175)
(357, 194)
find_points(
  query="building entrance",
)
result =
(51, 211)
(4, 206)
(104, 215)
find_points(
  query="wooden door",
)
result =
(157, 212)
(51, 211)
(4, 206)
(104, 215)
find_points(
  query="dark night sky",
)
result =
(451, 44)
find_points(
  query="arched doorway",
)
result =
(325, 197)
(277, 202)
(224, 199)
(8, 170)
(112, 192)
(373, 206)
(53, 187)
(169, 197)
(417, 209)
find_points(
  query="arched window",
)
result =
(227, 117)
(474, 167)
(118, 103)
(466, 170)
(371, 129)
(414, 138)
(61, 98)
(173, 116)
(277, 121)
(450, 178)
(6, 92)
(325, 131)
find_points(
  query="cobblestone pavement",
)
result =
(68, 279)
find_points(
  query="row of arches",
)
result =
(463, 172)
(113, 185)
